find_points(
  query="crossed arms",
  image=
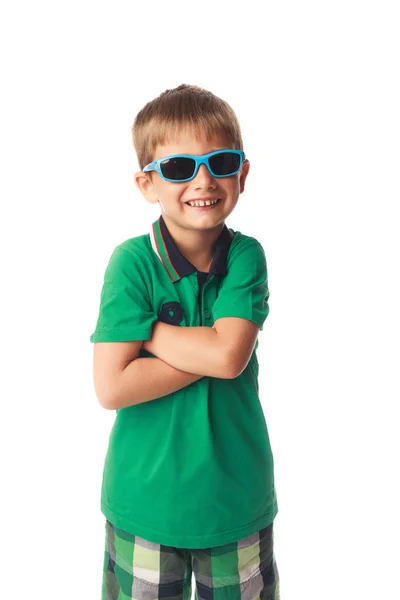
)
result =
(183, 355)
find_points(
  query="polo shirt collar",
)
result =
(176, 265)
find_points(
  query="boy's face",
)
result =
(173, 197)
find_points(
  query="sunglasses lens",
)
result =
(225, 163)
(178, 168)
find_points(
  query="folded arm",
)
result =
(122, 378)
(239, 312)
(221, 351)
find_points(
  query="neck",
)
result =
(198, 246)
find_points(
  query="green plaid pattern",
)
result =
(137, 569)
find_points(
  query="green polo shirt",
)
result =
(192, 469)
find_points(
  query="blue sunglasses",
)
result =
(184, 167)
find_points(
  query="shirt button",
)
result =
(207, 313)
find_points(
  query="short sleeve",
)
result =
(125, 312)
(244, 289)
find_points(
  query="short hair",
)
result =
(186, 106)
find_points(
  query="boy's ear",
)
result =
(145, 185)
(243, 174)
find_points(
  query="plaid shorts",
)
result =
(137, 569)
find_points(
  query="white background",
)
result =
(315, 86)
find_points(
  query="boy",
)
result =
(188, 481)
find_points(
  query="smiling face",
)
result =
(173, 197)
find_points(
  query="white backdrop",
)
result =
(316, 88)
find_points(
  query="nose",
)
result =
(203, 178)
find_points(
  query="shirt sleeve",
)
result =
(244, 290)
(125, 312)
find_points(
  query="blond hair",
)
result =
(186, 106)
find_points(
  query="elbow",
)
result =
(108, 406)
(105, 396)
(115, 394)
(231, 367)
(106, 402)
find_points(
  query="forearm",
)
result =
(197, 350)
(146, 379)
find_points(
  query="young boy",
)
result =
(188, 480)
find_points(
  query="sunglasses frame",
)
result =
(199, 160)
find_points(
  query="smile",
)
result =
(202, 203)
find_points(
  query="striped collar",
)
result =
(176, 265)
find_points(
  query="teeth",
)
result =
(201, 203)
